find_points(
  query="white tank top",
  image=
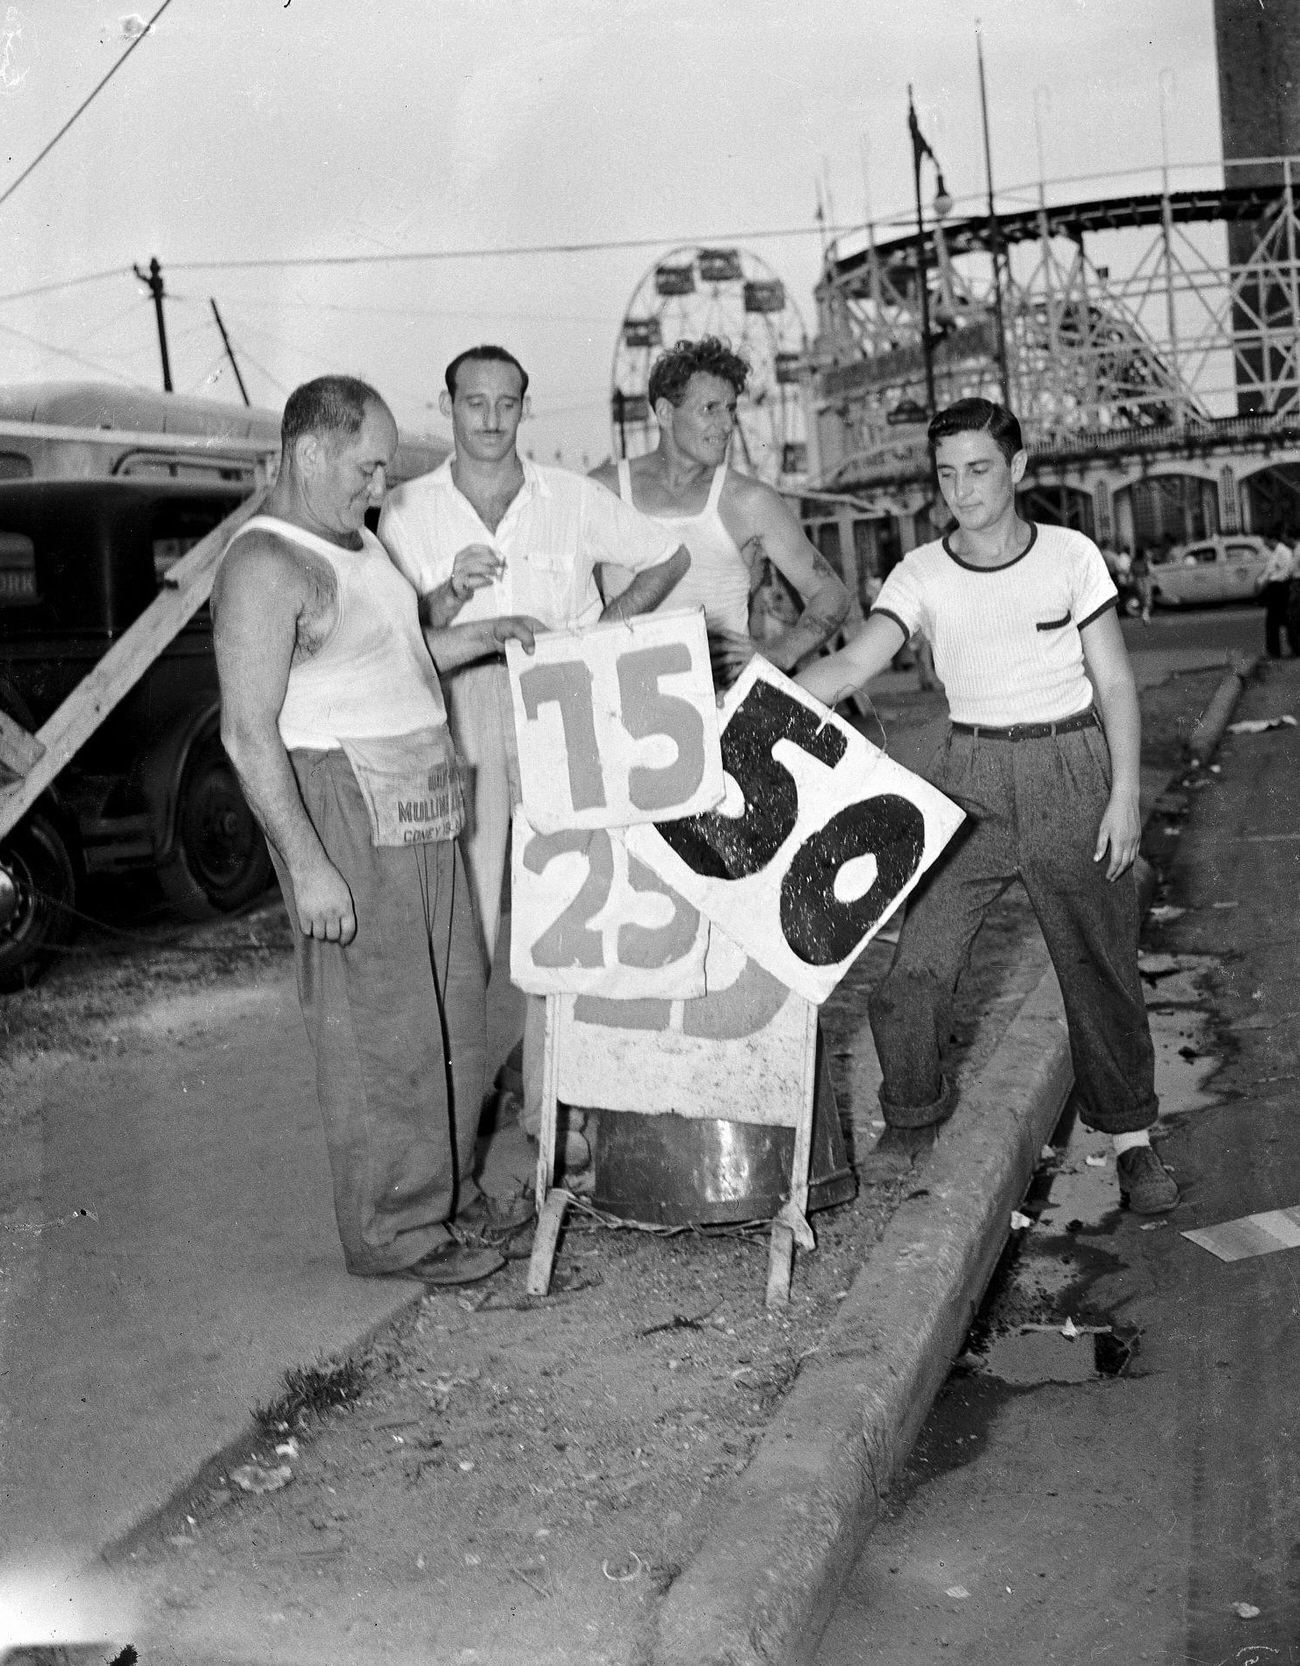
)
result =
(717, 579)
(372, 677)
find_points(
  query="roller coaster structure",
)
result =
(1140, 342)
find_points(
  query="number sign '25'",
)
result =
(819, 838)
(588, 917)
(616, 724)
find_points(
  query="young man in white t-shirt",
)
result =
(1022, 621)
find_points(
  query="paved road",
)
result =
(1235, 629)
(1057, 1512)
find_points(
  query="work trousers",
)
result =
(1276, 596)
(1034, 807)
(397, 1021)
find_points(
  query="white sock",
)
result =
(1126, 1142)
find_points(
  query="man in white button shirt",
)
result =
(1275, 593)
(488, 534)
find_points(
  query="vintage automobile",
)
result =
(1223, 569)
(152, 787)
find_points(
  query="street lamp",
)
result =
(942, 207)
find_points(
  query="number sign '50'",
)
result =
(616, 724)
(818, 839)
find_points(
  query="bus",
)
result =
(90, 430)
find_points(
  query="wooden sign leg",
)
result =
(780, 1262)
(552, 1200)
(793, 1219)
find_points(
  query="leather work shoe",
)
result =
(489, 1219)
(1145, 1184)
(453, 1263)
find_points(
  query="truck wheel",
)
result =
(38, 887)
(221, 861)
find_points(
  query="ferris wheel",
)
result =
(694, 292)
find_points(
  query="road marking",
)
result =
(1275, 1229)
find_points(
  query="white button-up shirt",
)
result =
(1280, 565)
(555, 533)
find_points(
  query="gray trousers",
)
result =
(397, 1021)
(1034, 807)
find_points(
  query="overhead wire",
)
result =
(328, 365)
(84, 105)
(68, 353)
(66, 283)
(261, 369)
(487, 313)
(112, 322)
(409, 256)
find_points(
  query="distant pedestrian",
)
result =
(1022, 621)
(1143, 586)
(1275, 586)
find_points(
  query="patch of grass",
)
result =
(309, 1392)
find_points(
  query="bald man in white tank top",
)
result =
(333, 718)
(730, 522)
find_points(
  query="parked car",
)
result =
(1224, 569)
(152, 787)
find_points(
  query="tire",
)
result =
(220, 862)
(38, 887)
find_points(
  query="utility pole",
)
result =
(995, 235)
(153, 277)
(230, 351)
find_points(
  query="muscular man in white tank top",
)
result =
(730, 522)
(333, 719)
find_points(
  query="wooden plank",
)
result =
(780, 1263)
(185, 589)
(545, 1239)
(19, 751)
(546, 1133)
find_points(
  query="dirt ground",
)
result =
(510, 1479)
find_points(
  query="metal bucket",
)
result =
(683, 1171)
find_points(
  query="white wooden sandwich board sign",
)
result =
(690, 881)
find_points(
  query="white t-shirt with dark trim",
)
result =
(1006, 639)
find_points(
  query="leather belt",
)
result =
(1031, 731)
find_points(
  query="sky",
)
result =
(281, 130)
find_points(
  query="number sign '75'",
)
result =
(818, 839)
(616, 724)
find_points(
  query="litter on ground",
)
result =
(1257, 725)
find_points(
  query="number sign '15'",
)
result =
(616, 724)
(818, 839)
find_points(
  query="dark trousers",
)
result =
(1276, 596)
(397, 1021)
(1034, 809)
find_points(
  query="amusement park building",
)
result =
(1147, 339)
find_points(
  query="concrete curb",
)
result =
(1205, 737)
(780, 1544)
